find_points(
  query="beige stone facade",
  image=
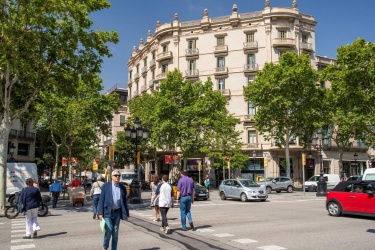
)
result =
(23, 138)
(230, 49)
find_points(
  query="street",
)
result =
(285, 221)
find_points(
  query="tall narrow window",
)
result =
(122, 120)
(191, 44)
(250, 59)
(250, 38)
(192, 65)
(220, 41)
(250, 108)
(220, 62)
(250, 79)
(221, 83)
(282, 34)
(153, 74)
(164, 68)
(145, 62)
(305, 38)
(153, 55)
(137, 68)
(252, 137)
(131, 75)
(165, 48)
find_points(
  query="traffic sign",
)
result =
(97, 159)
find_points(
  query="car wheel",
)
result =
(334, 209)
(278, 192)
(243, 197)
(222, 196)
(263, 200)
(269, 190)
(289, 189)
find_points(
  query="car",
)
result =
(243, 189)
(331, 179)
(355, 178)
(281, 183)
(352, 197)
(201, 192)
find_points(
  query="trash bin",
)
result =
(135, 192)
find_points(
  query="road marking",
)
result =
(204, 230)
(2, 223)
(245, 241)
(18, 227)
(272, 247)
(17, 224)
(17, 235)
(223, 235)
(17, 231)
(21, 240)
(22, 247)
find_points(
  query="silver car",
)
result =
(244, 189)
(278, 184)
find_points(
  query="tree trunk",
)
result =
(287, 155)
(4, 136)
(341, 168)
(57, 158)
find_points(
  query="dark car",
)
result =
(201, 193)
(355, 178)
(352, 197)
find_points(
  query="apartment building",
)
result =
(231, 49)
(21, 143)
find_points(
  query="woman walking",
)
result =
(155, 202)
(30, 199)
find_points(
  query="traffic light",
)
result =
(111, 155)
(265, 162)
(117, 157)
(94, 166)
(303, 159)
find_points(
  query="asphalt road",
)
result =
(285, 221)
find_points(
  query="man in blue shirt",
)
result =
(185, 196)
(113, 206)
(55, 189)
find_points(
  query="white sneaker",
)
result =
(162, 229)
(167, 230)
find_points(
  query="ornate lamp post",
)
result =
(355, 163)
(136, 134)
(319, 142)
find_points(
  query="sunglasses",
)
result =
(116, 175)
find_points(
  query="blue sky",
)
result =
(340, 22)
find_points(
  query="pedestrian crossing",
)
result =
(18, 228)
(212, 232)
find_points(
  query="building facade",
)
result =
(231, 49)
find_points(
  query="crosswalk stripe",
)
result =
(21, 240)
(271, 247)
(22, 247)
(223, 235)
(17, 235)
(17, 231)
(245, 241)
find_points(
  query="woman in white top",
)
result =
(155, 202)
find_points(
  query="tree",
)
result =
(287, 100)
(190, 117)
(41, 40)
(351, 96)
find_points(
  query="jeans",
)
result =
(185, 205)
(164, 220)
(111, 229)
(32, 221)
(55, 198)
(95, 202)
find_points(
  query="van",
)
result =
(127, 176)
(331, 179)
(369, 174)
(17, 174)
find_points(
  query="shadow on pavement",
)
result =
(51, 235)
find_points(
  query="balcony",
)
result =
(252, 145)
(167, 55)
(250, 68)
(136, 76)
(250, 47)
(307, 47)
(13, 133)
(25, 135)
(194, 73)
(192, 53)
(161, 76)
(143, 88)
(221, 50)
(151, 83)
(144, 71)
(221, 71)
(152, 64)
(249, 118)
(225, 92)
(283, 42)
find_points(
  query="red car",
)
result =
(352, 197)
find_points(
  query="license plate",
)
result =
(201, 195)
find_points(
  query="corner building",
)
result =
(229, 49)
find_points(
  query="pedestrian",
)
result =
(55, 189)
(185, 197)
(155, 202)
(96, 189)
(166, 200)
(207, 183)
(113, 206)
(76, 182)
(30, 200)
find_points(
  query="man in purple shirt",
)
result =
(185, 196)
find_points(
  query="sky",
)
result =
(340, 22)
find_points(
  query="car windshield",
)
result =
(314, 178)
(269, 179)
(248, 183)
(370, 177)
(197, 185)
(127, 176)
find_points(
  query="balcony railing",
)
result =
(144, 70)
(192, 73)
(26, 135)
(252, 145)
(161, 76)
(151, 83)
(12, 133)
(306, 46)
(135, 93)
(251, 67)
(248, 117)
(191, 52)
(136, 76)
(143, 88)
(164, 56)
(225, 92)
(221, 49)
(250, 45)
(221, 71)
(283, 42)
(152, 63)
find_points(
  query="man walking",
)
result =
(113, 206)
(185, 196)
(95, 192)
(76, 182)
(166, 200)
(55, 189)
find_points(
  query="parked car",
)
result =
(369, 174)
(201, 192)
(352, 197)
(243, 189)
(331, 179)
(355, 178)
(278, 184)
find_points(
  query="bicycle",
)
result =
(14, 209)
(42, 210)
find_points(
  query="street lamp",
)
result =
(319, 142)
(136, 134)
(355, 163)
(254, 155)
(11, 152)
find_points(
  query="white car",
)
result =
(331, 179)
